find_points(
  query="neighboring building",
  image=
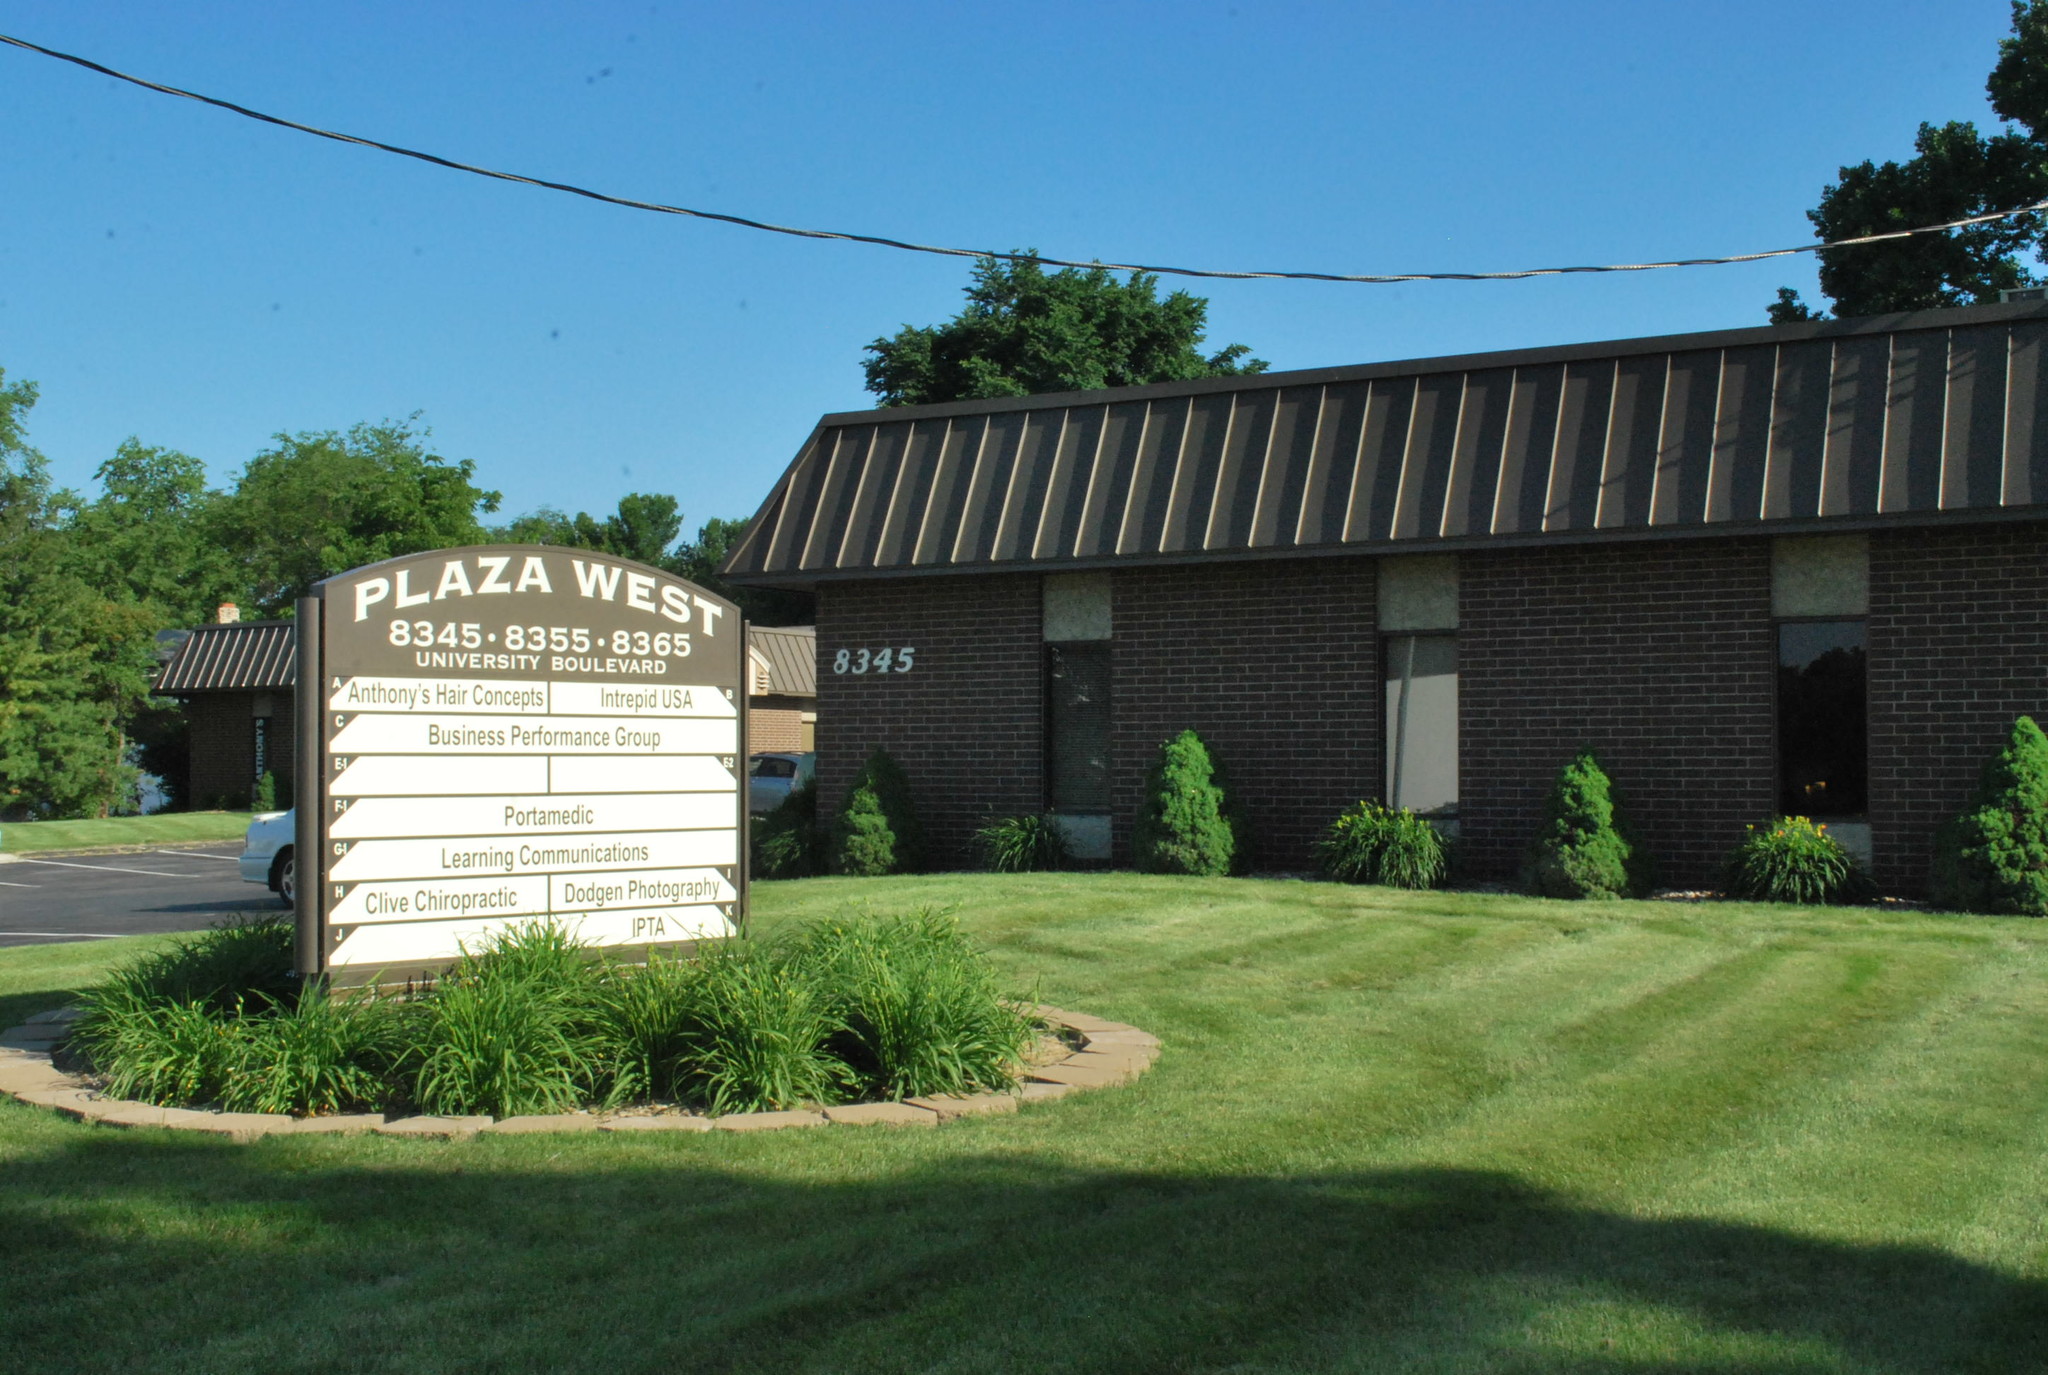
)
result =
(1793, 568)
(782, 691)
(235, 679)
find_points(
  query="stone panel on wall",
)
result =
(1958, 636)
(1658, 655)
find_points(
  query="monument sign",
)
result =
(515, 733)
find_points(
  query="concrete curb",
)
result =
(1112, 1054)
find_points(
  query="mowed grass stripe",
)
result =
(1944, 1119)
(1677, 1069)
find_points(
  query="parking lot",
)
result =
(64, 897)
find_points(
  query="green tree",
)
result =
(1184, 828)
(149, 536)
(1026, 330)
(320, 503)
(1955, 172)
(1994, 857)
(645, 528)
(74, 663)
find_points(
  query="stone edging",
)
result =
(1111, 1054)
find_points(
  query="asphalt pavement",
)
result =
(46, 898)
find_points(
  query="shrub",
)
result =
(509, 1030)
(647, 1022)
(917, 1006)
(787, 841)
(1182, 829)
(1023, 844)
(1791, 859)
(878, 833)
(167, 1051)
(1581, 851)
(263, 798)
(1994, 857)
(222, 967)
(1369, 843)
(757, 1028)
(318, 1054)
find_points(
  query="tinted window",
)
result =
(1823, 767)
(1077, 726)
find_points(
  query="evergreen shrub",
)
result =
(263, 798)
(1023, 844)
(878, 832)
(1994, 857)
(1791, 859)
(1183, 828)
(787, 841)
(1369, 843)
(1581, 850)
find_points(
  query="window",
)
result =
(1823, 760)
(1077, 726)
(1422, 723)
(772, 766)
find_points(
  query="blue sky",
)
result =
(201, 281)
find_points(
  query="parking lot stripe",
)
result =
(106, 868)
(193, 854)
(20, 885)
(64, 935)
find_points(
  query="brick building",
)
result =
(1794, 569)
(234, 680)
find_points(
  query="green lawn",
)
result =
(1389, 1132)
(20, 837)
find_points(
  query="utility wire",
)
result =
(745, 223)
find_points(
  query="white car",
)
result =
(267, 854)
(772, 777)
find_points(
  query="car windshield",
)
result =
(774, 768)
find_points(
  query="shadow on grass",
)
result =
(138, 1251)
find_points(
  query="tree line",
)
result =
(88, 581)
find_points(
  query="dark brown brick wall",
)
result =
(223, 742)
(1658, 655)
(1276, 664)
(1959, 647)
(967, 721)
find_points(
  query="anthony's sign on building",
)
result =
(513, 733)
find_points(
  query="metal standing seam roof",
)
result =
(244, 655)
(1913, 418)
(791, 653)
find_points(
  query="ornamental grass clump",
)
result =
(756, 1027)
(1994, 857)
(168, 1051)
(917, 1008)
(1791, 859)
(1369, 843)
(1581, 850)
(319, 1053)
(511, 1029)
(1184, 828)
(878, 832)
(1023, 844)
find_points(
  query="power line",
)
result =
(745, 223)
